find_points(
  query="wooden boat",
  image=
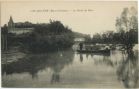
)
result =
(94, 51)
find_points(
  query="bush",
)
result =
(48, 37)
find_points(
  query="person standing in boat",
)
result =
(81, 46)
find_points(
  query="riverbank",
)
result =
(11, 55)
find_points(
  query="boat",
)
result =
(93, 48)
(94, 51)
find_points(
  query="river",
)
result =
(70, 69)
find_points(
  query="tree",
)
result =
(127, 27)
(52, 36)
(96, 38)
(4, 33)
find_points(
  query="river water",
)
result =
(70, 69)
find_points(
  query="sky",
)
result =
(88, 17)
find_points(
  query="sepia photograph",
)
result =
(69, 44)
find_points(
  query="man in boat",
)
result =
(81, 46)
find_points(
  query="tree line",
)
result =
(126, 30)
(52, 36)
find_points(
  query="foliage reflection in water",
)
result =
(69, 69)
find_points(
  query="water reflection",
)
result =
(108, 61)
(128, 70)
(32, 64)
(55, 77)
(81, 58)
(87, 56)
(127, 66)
(101, 58)
(82, 66)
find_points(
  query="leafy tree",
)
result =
(127, 27)
(48, 37)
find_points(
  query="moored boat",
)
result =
(94, 51)
(93, 48)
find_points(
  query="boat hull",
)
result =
(93, 51)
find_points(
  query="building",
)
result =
(79, 39)
(10, 24)
(13, 29)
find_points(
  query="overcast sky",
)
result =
(100, 17)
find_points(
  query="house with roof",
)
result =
(18, 28)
